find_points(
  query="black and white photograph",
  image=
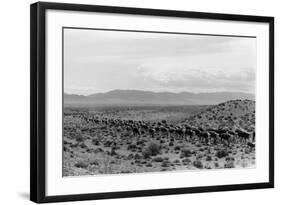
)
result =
(148, 101)
(135, 102)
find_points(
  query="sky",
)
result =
(97, 61)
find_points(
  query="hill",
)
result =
(138, 97)
(233, 114)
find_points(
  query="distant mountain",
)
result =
(137, 97)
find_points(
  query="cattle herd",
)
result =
(96, 144)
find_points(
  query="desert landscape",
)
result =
(138, 102)
(115, 139)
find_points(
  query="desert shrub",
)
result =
(199, 156)
(222, 153)
(79, 138)
(146, 153)
(162, 141)
(229, 159)
(177, 148)
(126, 171)
(186, 161)
(229, 164)
(89, 150)
(209, 158)
(152, 149)
(177, 161)
(137, 161)
(247, 150)
(82, 164)
(65, 148)
(198, 164)
(113, 152)
(108, 143)
(132, 146)
(94, 162)
(208, 166)
(130, 156)
(209, 150)
(137, 156)
(98, 150)
(216, 164)
(186, 153)
(171, 144)
(95, 142)
(166, 163)
(143, 162)
(201, 149)
(83, 145)
(140, 142)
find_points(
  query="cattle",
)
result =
(171, 130)
(151, 132)
(187, 127)
(157, 129)
(211, 130)
(214, 136)
(136, 131)
(180, 132)
(164, 130)
(196, 131)
(143, 126)
(225, 138)
(254, 136)
(204, 137)
(243, 135)
(189, 133)
(222, 130)
(120, 129)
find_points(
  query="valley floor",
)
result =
(106, 147)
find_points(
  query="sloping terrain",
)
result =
(100, 142)
(233, 114)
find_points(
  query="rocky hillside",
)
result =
(233, 114)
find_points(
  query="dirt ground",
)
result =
(92, 148)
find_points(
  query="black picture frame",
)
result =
(38, 100)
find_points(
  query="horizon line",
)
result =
(86, 95)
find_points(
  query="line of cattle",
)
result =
(170, 131)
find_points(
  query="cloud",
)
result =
(177, 74)
(106, 60)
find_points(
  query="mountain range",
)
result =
(139, 97)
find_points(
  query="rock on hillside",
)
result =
(233, 114)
